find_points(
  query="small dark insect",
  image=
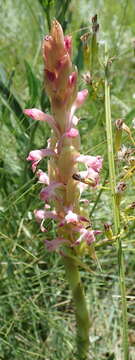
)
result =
(78, 177)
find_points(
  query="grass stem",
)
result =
(116, 207)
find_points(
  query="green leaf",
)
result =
(130, 115)
(12, 103)
(33, 84)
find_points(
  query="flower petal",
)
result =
(53, 245)
(73, 218)
(36, 155)
(68, 43)
(43, 178)
(71, 133)
(43, 214)
(39, 215)
(81, 97)
(75, 120)
(72, 79)
(40, 115)
(50, 192)
(86, 235)
(95, 162)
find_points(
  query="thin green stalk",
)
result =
(81, 312)
(116, 208)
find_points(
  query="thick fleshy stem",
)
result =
(81, 312)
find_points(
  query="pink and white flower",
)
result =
(36, 114)
(43, 177)
(50, 192)
(94, 162)
(53, 245)
(37, 155)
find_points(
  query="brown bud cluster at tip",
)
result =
(60, 76)
(54, 48)
(121, 186)
(54, 41)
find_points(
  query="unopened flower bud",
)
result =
(87, 78)
(130, 208)
(120, 188)
(119, 123)
(118, 134)
(95, 26)
(108, 231)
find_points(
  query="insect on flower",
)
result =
(78, 177)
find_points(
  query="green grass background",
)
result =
(36, 309)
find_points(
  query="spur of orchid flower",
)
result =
(61, 192)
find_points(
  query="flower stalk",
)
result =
(64, 184)
(116, 207)
(81, 312)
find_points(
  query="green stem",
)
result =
(81, 312)
(116, 209)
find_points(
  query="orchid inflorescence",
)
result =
(61, 191)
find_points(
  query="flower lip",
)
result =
(36, 155)
(94, 162)
(50, 192)
(43, 178)
(39, 115)
(43, 214)
(53, 245)
(73, 218)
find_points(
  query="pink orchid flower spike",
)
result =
(62, 184)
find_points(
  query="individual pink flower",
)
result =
(53, 245)
(43, 178)
(41, 116)
(79, 100)
(73, 218)
(95, 162)
(86, 235)
(43, 214)
(81, 97)
(36, 155)
(50, 192)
